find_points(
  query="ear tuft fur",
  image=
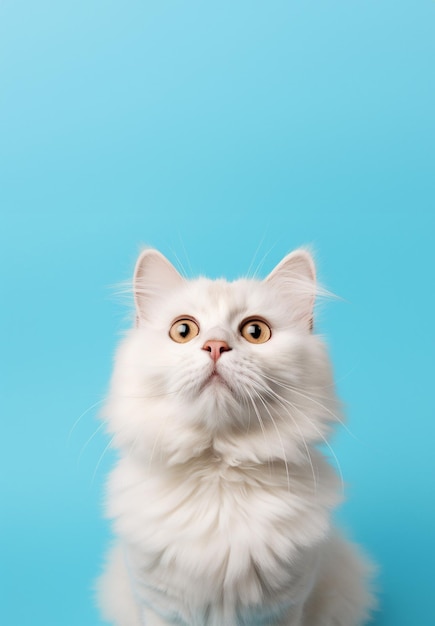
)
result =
(295, 277)
(154, 275)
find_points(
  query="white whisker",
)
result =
(279, 437)
(248, 273)
(81, 416)
(185, 254)
(101, 459)
(260, 421)
(262, 260)
(307, 450)
(293, 389)
(325, 441)
(182, 269)
(89, 441)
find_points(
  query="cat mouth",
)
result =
(215, 379)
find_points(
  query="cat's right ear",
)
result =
(154, 276)
(295, 278)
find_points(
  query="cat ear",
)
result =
(154, 276)
(295, 277)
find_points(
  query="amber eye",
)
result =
(183, 330)
(256, 331)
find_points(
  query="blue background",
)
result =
(223, 133)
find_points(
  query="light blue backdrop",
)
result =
(214, 131)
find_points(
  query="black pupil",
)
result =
(255, 331)
(183, 330)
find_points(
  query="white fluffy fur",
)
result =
(220, 500)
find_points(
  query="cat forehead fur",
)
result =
(287, 294)
(218, 304)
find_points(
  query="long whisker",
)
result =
(180, 264)
(248, 410)
(326, 442)
(148, 396)
(260, 421)
(307, 449)
(310, 399)
(279, 437)
(81, 416)
(101, 458)
(256, 380)
(322, 406)
(185, 254)
(248, 273)
(262, 260)
(241, 394)
(89, 441)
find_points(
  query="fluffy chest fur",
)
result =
(205, 534)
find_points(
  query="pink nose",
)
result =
(216, 348)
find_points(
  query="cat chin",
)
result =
(217, 408)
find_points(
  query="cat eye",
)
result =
(256, 331)
(183, 330)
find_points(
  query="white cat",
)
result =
(220, 500)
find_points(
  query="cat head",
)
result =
(211, 361)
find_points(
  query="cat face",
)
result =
(223, 358)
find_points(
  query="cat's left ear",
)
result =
(295, 278)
